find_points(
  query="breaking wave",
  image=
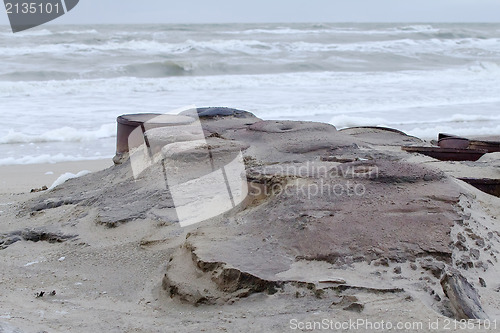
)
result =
(254, 46)
(46, 158)
(64, 134)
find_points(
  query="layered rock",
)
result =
(325, 210)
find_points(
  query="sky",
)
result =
(229, 11)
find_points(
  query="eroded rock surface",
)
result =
(323, 205)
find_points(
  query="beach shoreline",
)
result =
(19, 179)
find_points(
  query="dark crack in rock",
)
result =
(33, 235)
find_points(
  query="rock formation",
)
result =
(327, 211)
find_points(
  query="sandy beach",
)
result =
(105, 252)
(18, 179)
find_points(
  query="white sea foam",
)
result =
(465, 118)
(68, 175)
(432, 126)
(253, 46)
(410, 29)
(343, 121)
(46, 158)
(280, 31)
(47, 32)
(64, 134)
(78, 32)
(431, 132)
(41, 32)
(417, 28)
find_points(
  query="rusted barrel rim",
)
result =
(139, 119)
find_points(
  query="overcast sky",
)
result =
(226, 11)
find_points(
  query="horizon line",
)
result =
(276, 22)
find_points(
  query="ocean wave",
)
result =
(158, 69)
(144, 46)
(253, 57)
(404, 46)
(324, 29)
(343, 121)
(408, 30)
(452, 119)
(47, 32)
(472, 82)
(427, 129)
(393, 31)
(64, 134)
(45, 158)
(432, 132)
(77, 32)
(19, 82)
(417, 28)
(465, 118)
(279, 31)
(441, 33)
(484, 67)
(411, 47)
(38, 75)
(27, 33)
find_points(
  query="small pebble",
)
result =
(355, 307)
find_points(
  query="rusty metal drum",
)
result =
(126, 124)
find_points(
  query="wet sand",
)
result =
(18, 179)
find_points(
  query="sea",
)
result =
(62, 87)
